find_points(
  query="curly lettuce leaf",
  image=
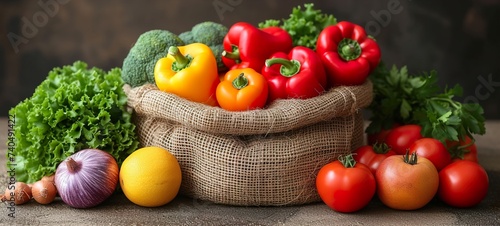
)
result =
(304, 24)
(72, 109)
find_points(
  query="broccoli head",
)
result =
(217, 51)
(211, 34)
(187, 37)
(138, 66)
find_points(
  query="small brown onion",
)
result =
(44, 191)
(86, 178)
(49, 178)
(20, 193)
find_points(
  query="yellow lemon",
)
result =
(150, 177)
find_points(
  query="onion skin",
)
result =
(43, 191)
(86, 178)
(51, 179)
(21, 194)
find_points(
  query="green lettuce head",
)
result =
(72, 109)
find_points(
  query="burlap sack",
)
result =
(266, 157)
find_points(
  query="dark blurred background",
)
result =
(460, 39)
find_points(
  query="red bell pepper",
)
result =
(349, 55)
(246, 46)
(298, 74)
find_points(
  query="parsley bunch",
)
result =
(417, 99)
(304, 24)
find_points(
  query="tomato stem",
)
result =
(381, 148)
(410, 159)
(347, 160)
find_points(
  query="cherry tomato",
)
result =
(463, 184)
(345, 186)
(402, 137)
(372, 155)
(464, 149)
(433, 150)
(406, 182)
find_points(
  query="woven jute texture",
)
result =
(266, 157)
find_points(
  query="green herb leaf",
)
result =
(417, 99)
(405, 109)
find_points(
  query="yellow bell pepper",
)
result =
(190, 72)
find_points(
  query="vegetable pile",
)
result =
(420, 144)
(245, 67)
(420, 140)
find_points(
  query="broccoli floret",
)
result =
(138, 66)
(187, 37)
(211, 34)
(217, 51)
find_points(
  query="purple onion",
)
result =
(86, 178)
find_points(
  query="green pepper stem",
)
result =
(231, 55)
(347, 160)
(288, 68)
(240, 82)
(349, 49)
(181, 61)
(234, 55)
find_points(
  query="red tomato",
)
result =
(463, 184)
(406, 183)
(433, 150)
(465, 149)
(345, 189)
(402, 137)
(380, 136)
(372, 155)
